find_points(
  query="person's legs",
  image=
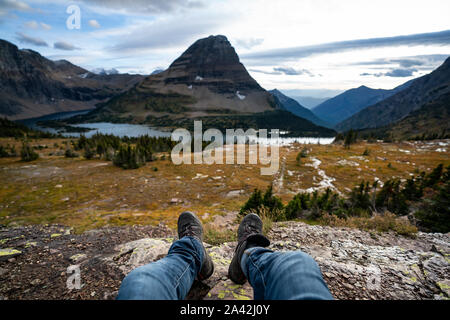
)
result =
(283, 275)
(170, 278)
(274, 275)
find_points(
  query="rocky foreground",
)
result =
(34, 261)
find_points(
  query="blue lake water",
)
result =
(117, 129)
(136, 130)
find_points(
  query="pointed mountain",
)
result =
(296, 108)
(206, 79)
(420, 92)
(209, 83)
(32, 85)
(351, 102)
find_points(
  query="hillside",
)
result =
(296, 108)
(431, 119)
(207, 82)
(352, 101)
(33, 86)
(420, 92)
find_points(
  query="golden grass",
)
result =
(88, 194)
(381, 223)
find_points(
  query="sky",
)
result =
(313, 48)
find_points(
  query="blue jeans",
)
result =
(273, 275)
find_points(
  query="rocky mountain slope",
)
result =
(431, 119)
(352, 101)
(355, 264)
(296, 108)
(420, 92)
(207, 82)
(32, 86)
(206, 79)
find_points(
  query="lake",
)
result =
(136, 130)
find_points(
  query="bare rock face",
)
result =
(355, 264)
(212, 62)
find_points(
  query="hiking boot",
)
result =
(249, 235)
(190, 225)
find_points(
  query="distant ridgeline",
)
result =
(419, 111)
(431, 121)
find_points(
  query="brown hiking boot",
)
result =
(190, 225)
(249, 235)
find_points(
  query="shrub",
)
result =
(3, 152)
(434, 215)
(364, 201)
(27, 153)
(129, 158)
(267, 202)
(253, 204)
(71, 154)
(88, 152)
(301, 154)
(350, 138)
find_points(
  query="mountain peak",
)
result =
(211, 62)
(207, 52)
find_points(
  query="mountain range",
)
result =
(352, 101)
(419, 93)
(208, 82)
(32, 85)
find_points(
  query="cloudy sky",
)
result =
(308, 47)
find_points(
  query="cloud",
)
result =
(163, 34)
(46, 26)
(433, 38)
(395, 73)
(265, 72)
(284, 70)
(32, 24)
(146, 6)
(9, 5)
(429, 61)
(14, 5)
(292, 71)
(248, 43)
(61, 45)
(94, 24)
(31, 40)
(400, 73)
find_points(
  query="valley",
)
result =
(87, 194)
